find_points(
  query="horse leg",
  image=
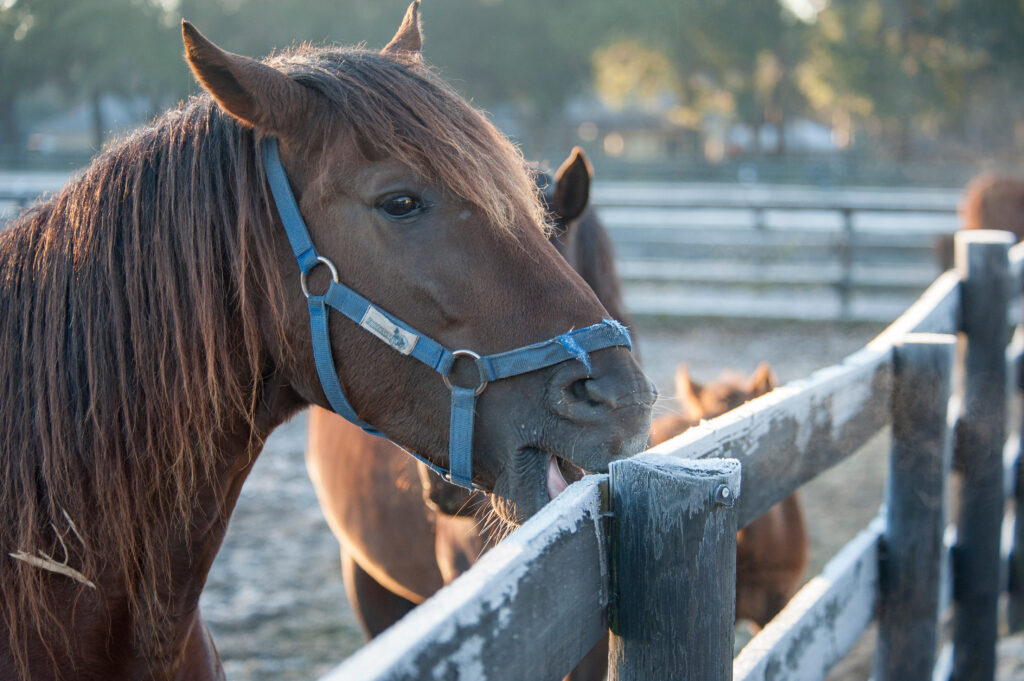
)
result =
(375, 607)
(594, 664)
(771, 555)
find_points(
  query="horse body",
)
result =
(155, 333)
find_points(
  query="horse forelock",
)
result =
(402, 110)
(128, 318)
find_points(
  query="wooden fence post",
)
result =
(845, 285)
(981, 260)
(1015, 602)
(912, 551)
(673, 568)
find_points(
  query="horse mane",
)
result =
(130, 320)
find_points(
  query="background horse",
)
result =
(155, 332)
(772, 551)
(994, 202)
(990, 202)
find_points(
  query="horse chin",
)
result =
(542, 477)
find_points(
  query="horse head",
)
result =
(700, 401)
(423, 208)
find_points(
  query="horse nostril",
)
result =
(581, 391)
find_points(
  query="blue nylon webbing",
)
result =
(354, 306)
(325, 366)
(460, 436)
(572, 345)
(287, 208)
(554, 350)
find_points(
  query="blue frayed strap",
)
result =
(573, 345)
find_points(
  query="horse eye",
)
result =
(401, 206)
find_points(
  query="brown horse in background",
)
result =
(990, 201)
(155, 332)
(772, 551)
(994, 202)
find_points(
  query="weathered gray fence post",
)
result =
(919, 462)
(673, 568)
(981, 260)
(1015, 604)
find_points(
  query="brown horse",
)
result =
(990, 201)
(771, 552)
(155, 331)
(994, 202)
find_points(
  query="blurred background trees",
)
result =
(725, 89)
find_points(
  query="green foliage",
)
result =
(884, 67)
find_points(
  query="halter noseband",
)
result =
(408, 341)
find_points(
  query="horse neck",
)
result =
(144, 447)
(192, 557)
(595, 261)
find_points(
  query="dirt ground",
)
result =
(275, 601)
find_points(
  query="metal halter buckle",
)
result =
(466, 353)
(320, 261)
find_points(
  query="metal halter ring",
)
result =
(323, 261)
(466, 353)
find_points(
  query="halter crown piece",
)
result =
(573, 345)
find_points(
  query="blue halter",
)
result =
(408, 341)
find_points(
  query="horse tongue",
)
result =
(556, 483)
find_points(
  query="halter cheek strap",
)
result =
(403, 338)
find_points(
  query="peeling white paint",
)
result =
(490, 587)
(465, 662)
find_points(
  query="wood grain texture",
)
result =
(919, 462)
(981, 259)
(531, 608)
(674, 567)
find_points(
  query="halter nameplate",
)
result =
(573, 345)
(380, 326)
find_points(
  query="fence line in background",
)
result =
(763, 252)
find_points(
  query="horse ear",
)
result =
(572, 185)
(763, 381)
(688, 392)
(408, 41)
(252, 92)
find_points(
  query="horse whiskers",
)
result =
(45, 562)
